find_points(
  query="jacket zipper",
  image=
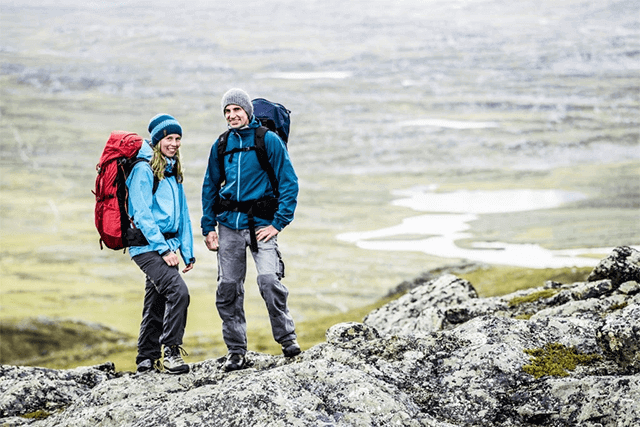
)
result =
(238, 180)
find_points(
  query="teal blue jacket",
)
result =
(246, 181)
(162, 212)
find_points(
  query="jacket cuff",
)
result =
(206, 231)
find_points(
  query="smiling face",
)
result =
(236, 116)
(169, 144)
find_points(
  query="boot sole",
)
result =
(180, 370)
(292, 352)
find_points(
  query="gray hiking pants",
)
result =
(164, 313)
(232, 270)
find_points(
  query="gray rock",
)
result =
(438, 357)
(25, 389)
(619, 336)
(423, 309)
(621, 266)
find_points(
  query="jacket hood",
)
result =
(146, 152)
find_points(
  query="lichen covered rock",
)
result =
(560, 355)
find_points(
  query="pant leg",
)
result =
(232, 269)
(167, 282)
(152, 324)
(270, 270)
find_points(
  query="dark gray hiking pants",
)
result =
(232, 270)
(164, 313)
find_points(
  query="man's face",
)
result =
(236, 116)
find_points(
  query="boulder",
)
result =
(424, 309)
(622, 265)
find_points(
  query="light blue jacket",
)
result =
(164, 211)
(246, 180)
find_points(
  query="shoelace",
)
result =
(176, 353)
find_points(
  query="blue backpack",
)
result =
(273, 116)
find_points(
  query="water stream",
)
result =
(449, 221)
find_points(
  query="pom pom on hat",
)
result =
(161, 126)
(238, 97)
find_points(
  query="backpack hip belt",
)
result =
(136, 238)
(264, 208)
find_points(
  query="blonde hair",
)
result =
(159, 164)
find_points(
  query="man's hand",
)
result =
(188, 267)
(171, 259)
(265, 234)
(211, 241)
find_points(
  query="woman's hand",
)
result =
(171, 259)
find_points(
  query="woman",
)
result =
(158, 207)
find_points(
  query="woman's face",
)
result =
(169, 144)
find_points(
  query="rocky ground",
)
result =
(559, 355)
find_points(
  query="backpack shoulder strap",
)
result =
(156, 181)
(263, 158)
(261, 152)
(222, 147)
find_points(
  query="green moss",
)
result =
(523, 316)
(533, 297)
(618, 306)
(37, 415)
(555, 360)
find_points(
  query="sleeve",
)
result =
(287, 180)
(140, 185)
(210, 189)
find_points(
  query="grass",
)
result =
(501, 280)
(61, 95)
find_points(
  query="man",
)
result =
(233, 199)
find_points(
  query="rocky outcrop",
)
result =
(559, 355)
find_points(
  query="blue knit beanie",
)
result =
(238, 97)
(161, 126)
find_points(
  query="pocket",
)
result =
(227, 293)
(219, 265)
(280, 269)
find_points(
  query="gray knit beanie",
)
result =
(238, 97)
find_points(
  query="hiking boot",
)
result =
(234, 362)
(149, 365)
(173, 362)
(291, 348)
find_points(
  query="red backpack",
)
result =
(111, 211)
